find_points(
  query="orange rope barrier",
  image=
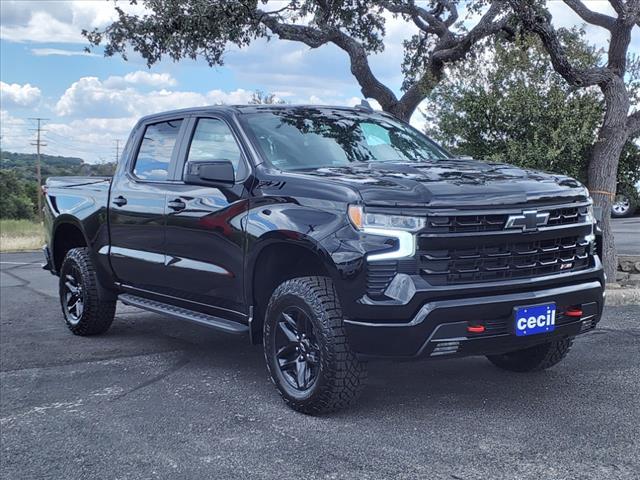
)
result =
(602, 192)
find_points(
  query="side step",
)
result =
(221, 324)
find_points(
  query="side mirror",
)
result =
(214, 173)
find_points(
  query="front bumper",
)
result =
(439, 329)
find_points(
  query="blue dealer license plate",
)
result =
(535, 319)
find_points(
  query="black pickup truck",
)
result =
(331, 236)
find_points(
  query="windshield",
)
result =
(309, 138)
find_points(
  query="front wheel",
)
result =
(87, 308)
(306, 349)
(535, 358)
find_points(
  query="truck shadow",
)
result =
(440, 387)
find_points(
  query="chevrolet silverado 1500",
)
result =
(330, 236)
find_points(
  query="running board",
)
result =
(221, 324)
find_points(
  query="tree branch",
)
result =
(633, 123)
(450, 49)
(539, 22)
(589, 16)
(618, 6)
(370, 86)
(423, 19)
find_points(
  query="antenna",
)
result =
(364, 105)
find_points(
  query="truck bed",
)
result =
(100, 183)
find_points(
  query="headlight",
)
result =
(401, 227)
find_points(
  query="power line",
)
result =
(38, 143)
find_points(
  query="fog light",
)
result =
(475, 329)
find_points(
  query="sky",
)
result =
(91, 101)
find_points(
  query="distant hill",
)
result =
(18, 186)
(24, 165)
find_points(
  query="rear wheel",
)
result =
(306, 349)
(623, 206)
(535, 358)
(88, 309)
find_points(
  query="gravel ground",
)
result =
(157, 398)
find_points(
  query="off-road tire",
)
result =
(533, 359)
(342, 375)
(99, 306)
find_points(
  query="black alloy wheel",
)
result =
(73, 293)
(296, 349)
(306, 349)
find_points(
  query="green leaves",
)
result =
(508, 104)
(206, 28)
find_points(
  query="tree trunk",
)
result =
(603, 165)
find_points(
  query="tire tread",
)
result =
(99, 310)
(344, 374)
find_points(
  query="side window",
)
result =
(213, 141)
(155, 151)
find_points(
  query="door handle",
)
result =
(177, 205)
(120, 201)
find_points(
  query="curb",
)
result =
(622, 296)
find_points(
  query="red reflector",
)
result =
(475, 328)
(573, 312)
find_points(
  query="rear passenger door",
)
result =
(138, 202)
(205, 243)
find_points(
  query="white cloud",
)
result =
(89, 97)
(56, 21)
(141, 78)
(152, 79)
(44, 52)
(42, 27)
(14, 132)
(14, 94)
(118, 97)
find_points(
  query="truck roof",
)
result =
(239, 109)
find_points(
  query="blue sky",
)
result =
(91, 101)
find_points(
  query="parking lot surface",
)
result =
(158, 398)
(627, 235)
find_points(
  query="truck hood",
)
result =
(452, 182)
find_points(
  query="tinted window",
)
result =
(308, 138)
(213, 141)
(155, 151)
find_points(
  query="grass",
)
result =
(20, 235)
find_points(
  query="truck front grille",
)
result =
(489, 263)
(470, 247)
(487, 222)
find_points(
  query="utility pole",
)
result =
(117, 150)
(38, 143)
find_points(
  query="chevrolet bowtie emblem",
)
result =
(529, 221)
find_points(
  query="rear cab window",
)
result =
(156, 151)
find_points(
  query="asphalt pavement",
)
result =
(627, 235)
(158, 398)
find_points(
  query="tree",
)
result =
(192, 28)
(15, 201)
(258, 97)
(618, 124)
(511, 105)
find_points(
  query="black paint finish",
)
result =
(197, 246)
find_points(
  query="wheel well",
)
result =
(67, 236)
(276, 264)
